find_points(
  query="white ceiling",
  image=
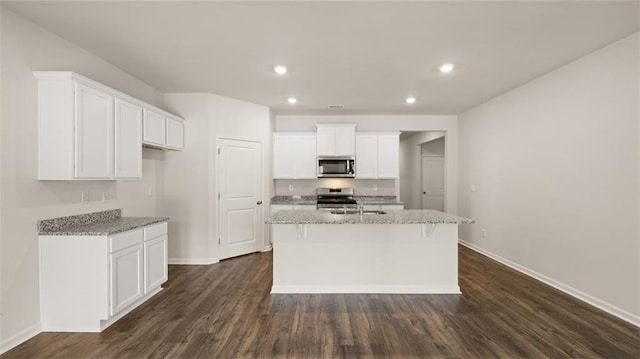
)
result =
(366, 56)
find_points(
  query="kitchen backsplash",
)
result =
(308, 187)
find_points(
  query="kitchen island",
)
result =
(400, 251)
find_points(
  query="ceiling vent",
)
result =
(335, 107)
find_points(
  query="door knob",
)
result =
(259, 203)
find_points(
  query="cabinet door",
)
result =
(366, 156)
(126, 277)
(175, 133)
(305, 157)
(283, 156)
(345, 141)
(154, 128)
(155, 263)
(388, 156)
(94, 133)
(326, 137)
(128, 140)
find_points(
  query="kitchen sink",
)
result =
(355, 211)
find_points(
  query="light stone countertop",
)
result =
(103, 223)
(121, 224)
(407, 216)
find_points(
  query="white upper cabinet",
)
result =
(162, 131)
(366, 156)
(294, 155)
(128, 139)
(154, 128)
(336, 140)
(94, 133)
(377, 155)
(389, 156)
(88, 131)
(175, 133)
(75, 128)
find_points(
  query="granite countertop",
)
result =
(407, 216)
(103, 223)
(312, 200)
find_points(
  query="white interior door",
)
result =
(433, 183)
(239, 180)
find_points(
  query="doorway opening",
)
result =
(423, 170)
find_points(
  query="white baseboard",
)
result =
(587, 298)
(20, 338)
(366, 289)
(267, 248)
(193, 261)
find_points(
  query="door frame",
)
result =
(215, 241)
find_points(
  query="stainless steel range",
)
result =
(336, 198)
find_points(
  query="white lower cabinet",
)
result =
(126, 277)
(89, 282)
(155, 257)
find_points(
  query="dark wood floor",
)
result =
(226, 311)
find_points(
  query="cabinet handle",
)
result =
(259, 203)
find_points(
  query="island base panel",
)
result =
(365, 258)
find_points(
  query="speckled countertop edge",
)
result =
(103, 223)
(414, 216)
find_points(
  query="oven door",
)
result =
(336, 167)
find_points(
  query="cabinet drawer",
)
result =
(155, 230)
(124, 240)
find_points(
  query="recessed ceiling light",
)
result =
(292, 100)
(280, 69)
(411, 100)
(445, 68)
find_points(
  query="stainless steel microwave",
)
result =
(332, 167)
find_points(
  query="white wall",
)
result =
(190, 180)
(25, 48)
(448, 124)
(185, 196)
(555, 167)
(411, 169)
(362, 187)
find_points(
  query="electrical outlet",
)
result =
(483, 233)
(149, 192)
(472, 187)
(84, 196)
(290, 188)
(105, 196)
(375, 188)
